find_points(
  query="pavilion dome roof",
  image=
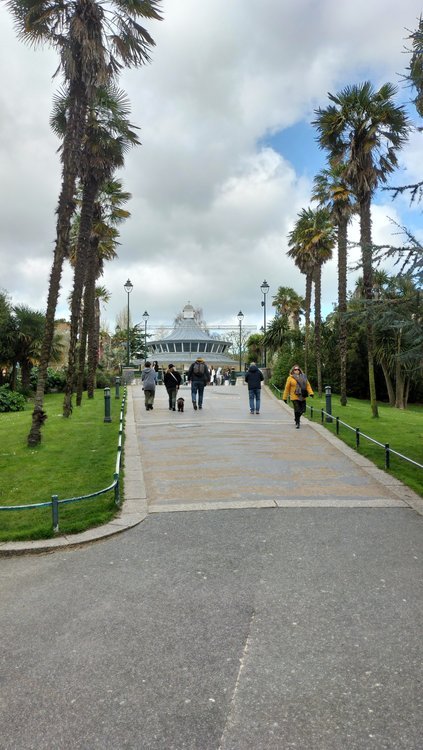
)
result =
(187, 341)
(188, 329)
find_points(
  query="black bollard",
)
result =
(117, 384)
(328, 392)
(55, 513)
(107, 417)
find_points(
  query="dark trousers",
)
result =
(172, 397)
(197, 387)
(299, 409)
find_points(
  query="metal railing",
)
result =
(358, 434)
(54, 503)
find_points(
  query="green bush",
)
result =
(281, 368)
(56, 380)
(11, 400)
(104, 379)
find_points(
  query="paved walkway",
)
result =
(238, 461)
(293, 625)
(224, 457)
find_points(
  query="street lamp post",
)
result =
(145, 318)
(240, 317)
(264, 288)
(128, 289)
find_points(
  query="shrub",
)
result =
(104, 379)
(56, 380)
(11, 400)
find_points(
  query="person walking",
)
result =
(297, 388)
(198, 376)
(253, 378)
(172, 381)
(149, 380)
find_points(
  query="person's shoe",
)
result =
(252, 411)
(173, 408)
(194, 405)
(200, 407)
(257, 412)
(297, 425)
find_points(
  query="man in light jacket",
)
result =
(149, 380)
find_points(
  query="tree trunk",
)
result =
(367, 261)
(93, 335)
(81, 359)
(309, 281)
(399, 378)
(317, 321)
(13, 377)
(388, 382)
(93, 272)
(83, 345)
(342, 306)
(81, 266)
(70, 158)
(26, 368)
(406, 391)
(92, 342)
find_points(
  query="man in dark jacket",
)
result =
(253, 378)
(198, 376)
(172, 381)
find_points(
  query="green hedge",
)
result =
(11, 400)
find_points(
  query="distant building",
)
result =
(188, 341)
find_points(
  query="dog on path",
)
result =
(180, 403)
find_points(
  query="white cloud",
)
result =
(211, 207)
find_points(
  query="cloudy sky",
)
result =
(228, 154)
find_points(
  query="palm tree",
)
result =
(28, 330)
(332, 192)
(289, 303)
(108, 136)
(94, 42)
(109, 213)
(277, 333)
(254, 347)
(364, 129)
(303, 261)
(398, 332)
(29, 333)
(311, 242)
(7, 336)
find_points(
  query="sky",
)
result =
(228, 153)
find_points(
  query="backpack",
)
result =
(198, 368)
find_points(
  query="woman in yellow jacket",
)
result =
(296, 385)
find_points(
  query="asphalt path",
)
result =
(243, 628)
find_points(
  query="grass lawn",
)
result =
(77, 456)
(402, 429)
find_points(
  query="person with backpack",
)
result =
(198, 376)
(253, 378)
(297, 388)
(172, 381)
